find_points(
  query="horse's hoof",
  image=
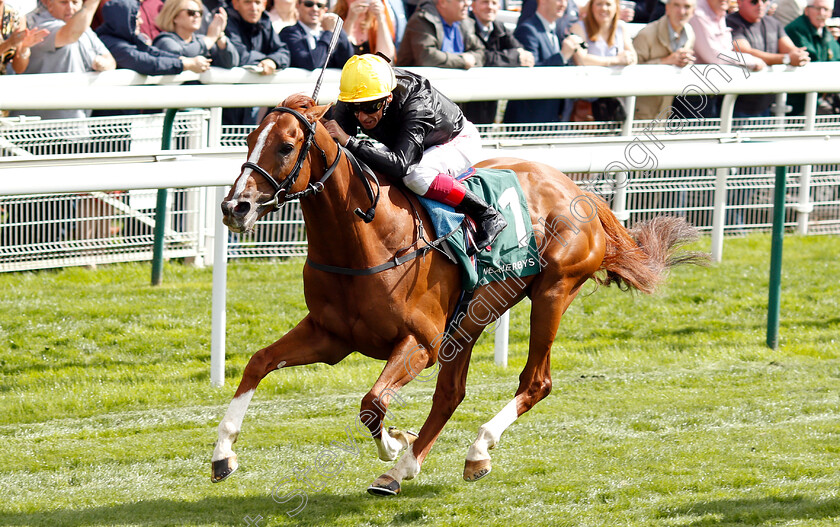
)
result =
(406, 438)
(224, 468)
(384, 485)
(475, 470)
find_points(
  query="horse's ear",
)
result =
(315, 113)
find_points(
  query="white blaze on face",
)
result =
(253, 158)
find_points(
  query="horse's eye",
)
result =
(286, 149)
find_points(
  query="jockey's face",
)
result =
(370, 120)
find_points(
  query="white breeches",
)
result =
(452, 158)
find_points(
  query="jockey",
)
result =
(427, 138)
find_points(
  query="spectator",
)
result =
(501, 49)
(563, 24)
(211, 7)
(428, 141)
(309, 40)
(282, 13)
(789, 10)
(626, 10)
(369, 26)
(669, 40)
(712, 45)
(714, 39)
(397, 13)
(649, 11)
(763, 37)
(70, 46)
(180, 20)
(608, 41)
(810, 32)
(121, 33)
(251, 33)
(538, 35)
(149, 11)
(16, 40)
(440, 34)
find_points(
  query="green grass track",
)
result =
(667, 410)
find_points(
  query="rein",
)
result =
(282, 195)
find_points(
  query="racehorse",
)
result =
(398, 311)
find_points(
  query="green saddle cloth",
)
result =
(514, 252)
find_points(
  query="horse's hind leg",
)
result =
(535, 380)
(304, 344)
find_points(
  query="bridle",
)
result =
(281, 190)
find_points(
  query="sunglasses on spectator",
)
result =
(310, 3)
(368, 107)
(755, 2)
(193, 12)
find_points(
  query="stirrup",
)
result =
(489, 230)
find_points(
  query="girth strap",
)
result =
(397, 261)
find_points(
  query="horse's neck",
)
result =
(337, 236)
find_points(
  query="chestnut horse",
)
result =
(399, 314)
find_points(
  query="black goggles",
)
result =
(368, 107)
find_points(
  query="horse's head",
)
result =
(277, 163)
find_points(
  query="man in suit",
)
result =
(538, 35)
(309, 40)
(441, 34)
(501, 49)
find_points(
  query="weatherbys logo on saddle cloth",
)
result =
(514, 252)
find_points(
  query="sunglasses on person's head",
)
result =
(368, 107)
(193, 12)
(755, 2)
(310, 3)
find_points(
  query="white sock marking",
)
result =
(231, 425)
(387, 446)
(406, 468)
(491, 431)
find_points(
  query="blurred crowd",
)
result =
(161, 37)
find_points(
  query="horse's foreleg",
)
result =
(304, 344)
(406, 362)
(449, 392)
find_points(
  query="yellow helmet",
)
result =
(366, 78)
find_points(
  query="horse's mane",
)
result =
(298, 101)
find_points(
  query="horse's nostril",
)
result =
(242, 208)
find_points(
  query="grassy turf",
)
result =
(666, 410)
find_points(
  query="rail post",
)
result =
(160, 208)
(775, 294)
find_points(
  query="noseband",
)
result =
(281, 190)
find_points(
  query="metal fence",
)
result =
(42, 231)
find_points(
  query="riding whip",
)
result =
(333, 41)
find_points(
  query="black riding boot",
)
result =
(490, 223)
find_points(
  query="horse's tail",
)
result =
(640, 257)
